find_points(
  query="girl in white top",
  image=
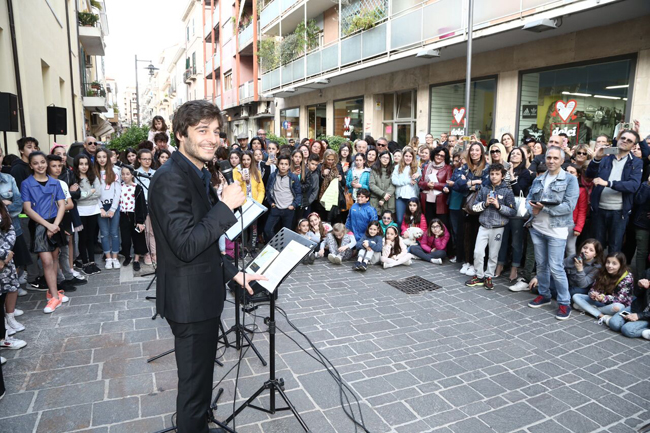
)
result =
(109, 212)
(88, 208)
(405, 178)
(394, 251)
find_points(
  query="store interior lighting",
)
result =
(607, 97)
(586, 95)
(622, 86)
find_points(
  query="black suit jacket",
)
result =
(187, 224)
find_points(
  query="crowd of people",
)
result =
(567, 222)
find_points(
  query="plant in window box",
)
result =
(91, 92)
(267, 54)
(308, 34)
(96, 85)
(87, 19)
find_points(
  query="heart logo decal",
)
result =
(565, 109)
(458, 115)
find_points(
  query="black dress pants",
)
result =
(195, 347)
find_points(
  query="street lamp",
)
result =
(151, 69)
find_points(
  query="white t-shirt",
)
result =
(542, 221)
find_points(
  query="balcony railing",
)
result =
(408, 28)
(246, 91)
(190, 74)
(94, 98)
(245, 36)
(208, 64)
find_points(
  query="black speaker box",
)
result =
(57, 123)
(8, 112)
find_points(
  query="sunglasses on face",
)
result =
(627, 140)
(582, 153)
(495, 151)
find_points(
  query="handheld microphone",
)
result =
(226, 170)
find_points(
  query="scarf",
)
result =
(333, 174)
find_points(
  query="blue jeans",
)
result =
(572, 290)
(417, 251)
(400, 209)
(629, 329)
(596, 308)
(513, 235)
(109, 230)
(609, 228)
(285, 216)
(549, 257)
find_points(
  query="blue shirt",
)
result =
(203, 174)
(42, 198)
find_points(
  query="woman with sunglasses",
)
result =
(498, 155)
(582, 156)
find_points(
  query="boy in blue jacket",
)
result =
(284, 194)
(369, 246)
(361, 214)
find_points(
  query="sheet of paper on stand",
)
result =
(251, 211)
(281, 265)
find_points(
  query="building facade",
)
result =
(60, 65)
(538, 66)
(231, 66)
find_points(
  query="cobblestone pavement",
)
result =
(455, 360)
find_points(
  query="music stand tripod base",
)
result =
(279, 242)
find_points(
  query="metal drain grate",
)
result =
(413, 285)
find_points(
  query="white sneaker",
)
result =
(646, 334)
(470, 272)
(12, 343)
(22, 292)
(464, 268)
(452, 260)
(338, 260)
(3, 360)
(109, 264)
(520, 286)
(409, 262)
(22, 279)
(78, 275)
(10, 331)
(18, 312)
(116, 264)
(13, 323)
(330, 257)
(436, 261)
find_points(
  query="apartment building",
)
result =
(231, 71)
(128, 107)
(57, 61)
(397, 68)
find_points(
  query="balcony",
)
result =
(439, 23)
(95, 98)
(245, 37)
(246, 92)
(92, 40)
(208, 65)
(189, 75)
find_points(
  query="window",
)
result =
(447, 108)
(317, 120)
(194, 61)
(348, 118)
(187, 33)
(399, 116)
(582, 101)
(227, 81)
(290, 123)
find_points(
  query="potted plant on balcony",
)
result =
(366, 19)
(91, 92)
(96, 85)
(88, 19)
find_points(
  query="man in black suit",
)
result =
(187, 220)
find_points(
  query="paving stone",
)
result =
(69, 395)
(116, 411)
(15, 404)
(461, 395)
(511, 417)
(576, 422)
(71, 375)
(428, 404)
(65, 419)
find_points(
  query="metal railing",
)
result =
(94, 90)
(190, 73)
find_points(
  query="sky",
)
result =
(143, 28)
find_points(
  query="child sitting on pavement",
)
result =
(634, 321)
(340, 243)
(387, 221)
(433, 243)
(394, 252)
(496, 204)
(369, 246)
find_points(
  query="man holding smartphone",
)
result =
(616, 177)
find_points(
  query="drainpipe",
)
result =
(14, 49)
(74, 107)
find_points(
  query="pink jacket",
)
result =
(423, 224)
(388, 246)
(428, 243)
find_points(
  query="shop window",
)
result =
(290, 123)
(582, 101)
(448, 103)
(399, 116)
(348, 118)
(317, 120)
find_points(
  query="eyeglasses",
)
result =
(495, 151)
(436, 227)
(627, 140)
(381, 145)
(145, 159)
(582, 153)
(441, 155)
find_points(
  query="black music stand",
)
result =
(279, 242)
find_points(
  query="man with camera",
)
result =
(188, 219)
(617, 177)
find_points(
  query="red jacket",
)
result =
(428, 243)
(423, 224)
(580, 212)
(443, 175)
